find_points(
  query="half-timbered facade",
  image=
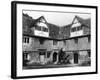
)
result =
(39, 47)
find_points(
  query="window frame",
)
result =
(55, 42)
(26, 39)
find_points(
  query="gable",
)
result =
(42, 20)
(75, 20)
(42, 24)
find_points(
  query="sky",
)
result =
(57, 18)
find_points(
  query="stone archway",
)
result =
(55, 57)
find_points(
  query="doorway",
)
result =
(76, 57)
(42, 55)
(54, 56)
(25, 58)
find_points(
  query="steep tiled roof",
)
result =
(28, 23)
(64, 31)
(86, 22)
(41, 17)
(56, 32)
(53, 30)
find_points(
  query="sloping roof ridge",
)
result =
(82, 18)
(54, 24)
(41, 17)
(67, 25)
(79, 18)
(84, 21)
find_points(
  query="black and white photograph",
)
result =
(56, 39)
(53, 39)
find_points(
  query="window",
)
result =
(38, 28)
(25, 58)
(79, 28)
(44, 29)
(76, 40)
(76, 29)
(54, 42)
(26, 39)
(42, 53)
(89, 38)
(41, 28)
(64, 42)
(48, 54)
(89, 53)
(25, 55)
(41, 40)
(73, 29)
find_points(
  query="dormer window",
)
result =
(79, 28)
(73, 29)
(76, 28)
(45, 29)
(41, 28)
(38, 28)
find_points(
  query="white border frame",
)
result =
(51, 71)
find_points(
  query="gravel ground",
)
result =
(52, 66)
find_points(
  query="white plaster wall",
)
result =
(76, 33)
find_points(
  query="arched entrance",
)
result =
(54, 56)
